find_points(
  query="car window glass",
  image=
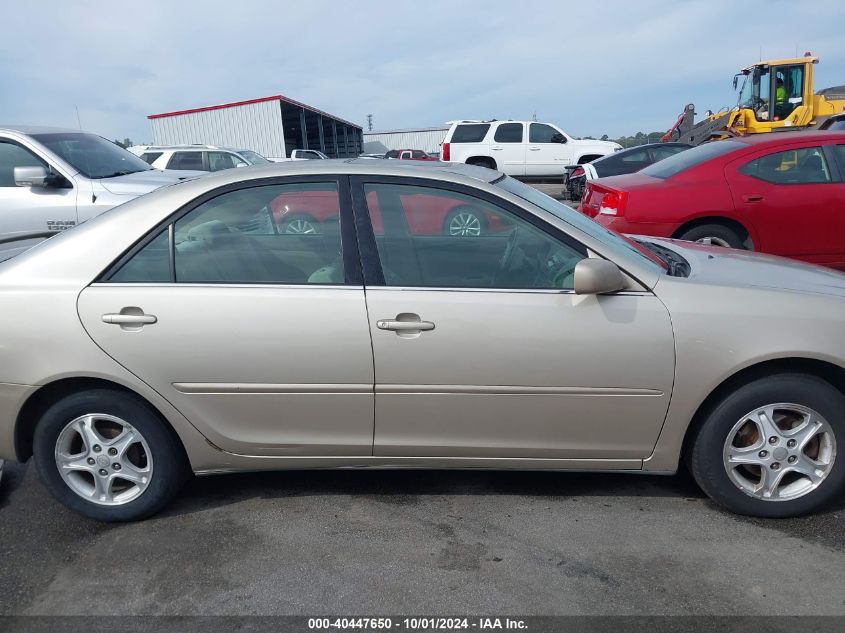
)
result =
(673, 165)
(418, 154)
(792, 167)
(640, 156)
(542, 133)
(150, 157)
(470, 133)
(149, 265)
(428, 237)
(283, 234)
(839, 152)
(186, 160)
(270, 234)
(509, 133)
(11, 156)
(659, 152)
(405, 155)
(392, 154)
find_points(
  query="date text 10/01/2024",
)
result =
(417, 623)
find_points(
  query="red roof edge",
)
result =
(248, 102)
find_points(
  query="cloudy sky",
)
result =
(594, 68)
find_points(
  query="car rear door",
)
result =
(793, 198)
(482, 349)
(508, 148)
(259, 337)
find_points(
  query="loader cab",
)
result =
(774, 90)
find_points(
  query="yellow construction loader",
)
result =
(775, 95)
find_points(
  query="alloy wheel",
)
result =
(779, 452)
(465, 224)
(104, 459)
(300, 226)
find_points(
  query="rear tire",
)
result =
(85, 469)
(737, 464)
(489, 163)
(716, 234)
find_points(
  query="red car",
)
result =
(304, 211)
(779, 193)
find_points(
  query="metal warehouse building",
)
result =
(428, 139)
(272, 126)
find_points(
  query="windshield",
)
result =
(580, 221)
(682, 161)
(254, 158)
(91, 155)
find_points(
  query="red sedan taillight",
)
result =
(604, 201)
(445, 153)
(578, 171)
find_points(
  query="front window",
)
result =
(13, 155)
(754, 94)
(91, 155)
(612, 239)
(254, 158)
(542, 133)
(430, 237)
(792, 167)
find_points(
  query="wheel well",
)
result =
(481, 160)
(731, 224)
(51, 393)
(828, 372)
(588, 158)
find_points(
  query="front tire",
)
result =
(107, 455)
(769, 449)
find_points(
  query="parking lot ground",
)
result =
(418, 542)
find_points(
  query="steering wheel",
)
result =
(507, 256)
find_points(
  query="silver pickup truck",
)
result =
(52, 179)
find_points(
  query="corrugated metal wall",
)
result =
(428, 140)
(255, 126)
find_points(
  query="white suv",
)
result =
(519, 148)
(200, 157)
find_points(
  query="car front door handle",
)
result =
(533, 149)
(752, 197)
(130, 319)
(404, 326)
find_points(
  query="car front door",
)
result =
(548, 151)
(793, 199)
(32, 209)
(482, 348)
(509, 147)
(259, 337)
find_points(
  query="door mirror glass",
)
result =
(31, 176)
(598, 276)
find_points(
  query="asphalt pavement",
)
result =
(425, 542)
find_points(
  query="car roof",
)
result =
(776, 138)
(188, 148)
(39, 129)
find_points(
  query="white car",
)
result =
(526, 149)
(52, 179)
(200, 157)
(301, 154)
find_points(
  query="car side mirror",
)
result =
(31, 177)
(598, 276)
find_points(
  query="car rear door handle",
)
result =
(752, 197)
(497, 149)
(404, 326)
(533, 149)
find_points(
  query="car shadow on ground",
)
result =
(406, 486)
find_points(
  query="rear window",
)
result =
(150, 157)
(673, 165)
(472, 133)
(186, 160)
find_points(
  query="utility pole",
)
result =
(369, 122)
